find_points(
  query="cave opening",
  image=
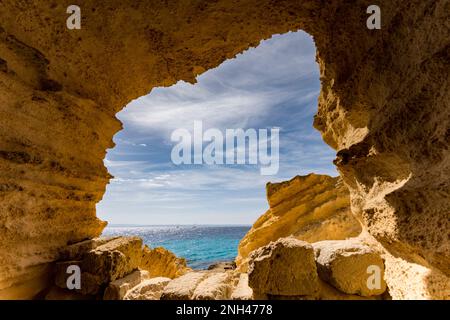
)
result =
(200, 210)
(373, 110)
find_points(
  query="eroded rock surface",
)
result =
(223, 266)
(150, 289)
(242, 290)
(160, 262)
(57, 293)
(182, 288)
(114, 259)
(327, 270)
(77, 251)
(217, 286)
(328, 292)
(111, 267)
(349, 266)
(117, 289)
(284, 268)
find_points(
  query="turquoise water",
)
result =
(200, 245)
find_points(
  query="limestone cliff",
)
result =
(311, 208)
(384, 107)
(160, 262)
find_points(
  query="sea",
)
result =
(200, 245)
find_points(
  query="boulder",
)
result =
(117, 289)
(217, 286)
(242, 291)
(182, 288)
(160, 262)
(57, 293)
(114, 259)
(61, 274)
(110, 259)
(150, 289)
(310, 208)
(285, 267)
(90, 283)
(78, 250)
(351, 267)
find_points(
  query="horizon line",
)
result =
(174, 225)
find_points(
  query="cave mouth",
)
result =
(382, 108)
(275, 85)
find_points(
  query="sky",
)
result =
(275, 85)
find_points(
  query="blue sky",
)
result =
(273, 85)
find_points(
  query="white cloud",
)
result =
(274, 85)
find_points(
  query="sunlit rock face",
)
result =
(160, 262)
(310, 208)
(383, 107)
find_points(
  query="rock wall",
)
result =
(384, 106)
(310, 208)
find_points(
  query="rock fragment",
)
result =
(182, 288)
(117, 289)
(150, 289)
(285, 267)
(351, 267)
(217, 286)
